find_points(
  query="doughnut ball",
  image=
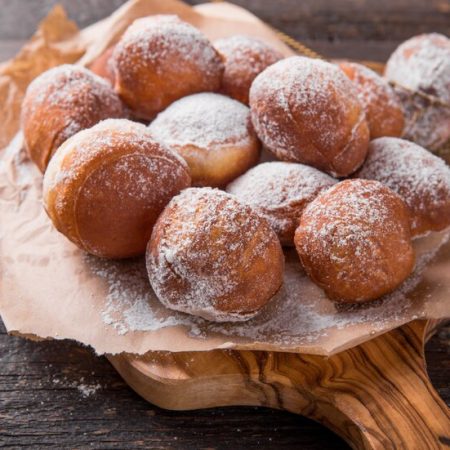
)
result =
(59, 103)
(306, 110)
(279, 191)
(354, 241)
(214, 257)
(419, 177)
(213, 133)
(384, 112)
(107, 185)
(245, 57)
(160, 59)
(103, 65)
(420, 71)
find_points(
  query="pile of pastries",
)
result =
(156, 150)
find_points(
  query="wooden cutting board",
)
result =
(376, 395)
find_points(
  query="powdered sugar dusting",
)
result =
(107, 135)
(307, 94)
(239, 50)
(203, 120)
(202, 245)
(76, 95)
(130, 303)
(63, 85)
(422, 63)
(354, 240)
(420, 71)
(279, 191)
(300, 314)
(419, 177)
(382, 107)
(365, 214)
(115, 164)
(245, 57)
(376, 87)
(162, 39)
(426, 119)
(86, 390)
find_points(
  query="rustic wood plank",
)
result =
(353, 19)
(19, 18)
(310, 19)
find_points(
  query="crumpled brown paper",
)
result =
(50, 289)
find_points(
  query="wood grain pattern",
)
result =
(376, 395)
(41, 407)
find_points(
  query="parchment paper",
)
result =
(50, 289)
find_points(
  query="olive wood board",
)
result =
(376, 395)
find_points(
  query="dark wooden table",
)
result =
(61, 395)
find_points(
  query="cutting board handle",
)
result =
(376, 395)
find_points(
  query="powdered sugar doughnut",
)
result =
(279, 191)
(160, 59)
(212, 256)
(107, 185)
(213, 133)
(305, 110)
(420, 71)
(354, 241)
(59, 103)
(419, 177)
(422, 63)
(245, 57)
(384, 112)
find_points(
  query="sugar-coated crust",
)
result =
(212, 256)
(354, 241)
(420, 70)
(384, 112)
(419, 177)
(245, 57)
(422, 63)
(305, 110)
(160, 59)
(107, 185)
(427, 121)
(213, 133)
(279, 191)
(59, 103)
